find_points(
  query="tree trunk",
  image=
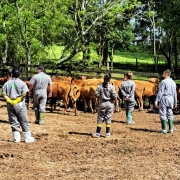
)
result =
(4, 54)
(105, 52)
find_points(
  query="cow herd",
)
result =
(69, 90)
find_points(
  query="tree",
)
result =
(86, 17)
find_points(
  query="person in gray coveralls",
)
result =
(127, 90)
(14, 92)
(106, 94)
(39, 84)
(167, 100)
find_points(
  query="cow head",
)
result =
(74, 93)
(154, 80)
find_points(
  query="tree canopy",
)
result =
(29, 28)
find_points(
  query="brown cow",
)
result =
(60, 78)
(61, 91)
(150, 91)
(93, 82)
(87, 94)
(139, 92)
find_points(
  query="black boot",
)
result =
(108, 134)
(98, 130)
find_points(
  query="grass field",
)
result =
(54, 52)
(122, 60)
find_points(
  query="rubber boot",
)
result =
(170, 122)
(37, 117)
(108, 134)
(17, 136)
(130, 121)
(126, 116)
(27, 137)
(98, 130)
(163, 126)
(41, 118)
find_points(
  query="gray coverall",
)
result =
(106, 104)
(18, 113)
(167, 98)
(40, 82)
(127, 90)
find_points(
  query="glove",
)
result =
(17, 100)
(10, 101)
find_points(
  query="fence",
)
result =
(66, 71)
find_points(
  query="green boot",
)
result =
(163, 125)
(41, 118)
(37, 117)
(170, 122)
(129, 118)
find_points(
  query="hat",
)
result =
(41, 68)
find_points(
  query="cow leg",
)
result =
(85, 105)
(27, 100)
(75, 108)
(90, 104)
(53, 101)
(140, 103)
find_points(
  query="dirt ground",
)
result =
(64, 149)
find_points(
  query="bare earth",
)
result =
(64, 149)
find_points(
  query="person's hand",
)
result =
(175, 105)
(156, 104)
(29, 93)
(9, 101)
(49, 95)
(127, 99)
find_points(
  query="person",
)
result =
(14, 92)
(127, 90)
(106, 94)
(39, 83)
(167, 100)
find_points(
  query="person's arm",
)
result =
(30, 89)
(113, 93)
(50, 91)
(97, 92)
(122, 91)
(175, 97)
(132, 90)
(160, 93)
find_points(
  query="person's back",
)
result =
(106, 93)
(128, 87)
(170, 87)
(167, 100)
(40, 84)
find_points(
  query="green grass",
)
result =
(130, 58)
(54, 52)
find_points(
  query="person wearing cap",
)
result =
(14, 91)
(41, 85)
(127, 90)
(106, 94)
(167, 100)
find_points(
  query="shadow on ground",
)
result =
(143, 129)
(82, 134)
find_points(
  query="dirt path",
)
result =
(64, 149)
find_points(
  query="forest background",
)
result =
(104, 34)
